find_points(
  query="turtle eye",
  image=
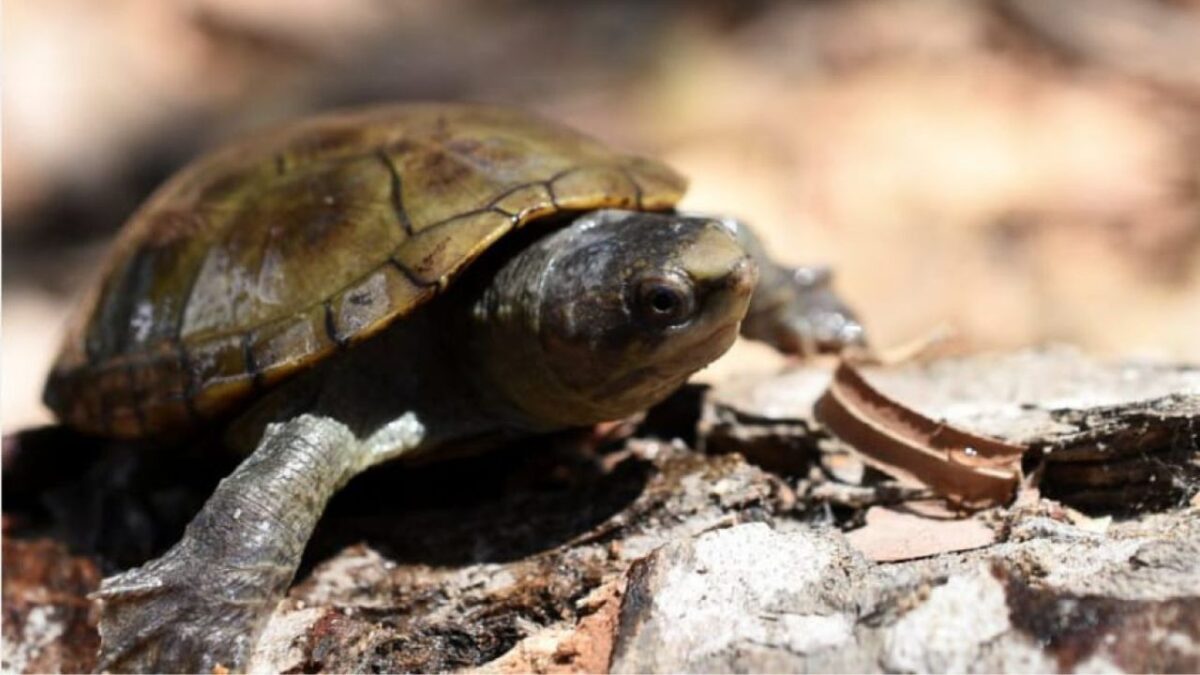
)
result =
(663, 301)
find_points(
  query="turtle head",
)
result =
(609, 315)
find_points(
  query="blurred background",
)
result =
(1020, 170)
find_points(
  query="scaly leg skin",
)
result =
(794, 309)
(206, 601)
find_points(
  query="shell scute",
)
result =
(584, 186)
(431, 255)
(369, 302)
(526, 202)
(219, 369)
(287, 344)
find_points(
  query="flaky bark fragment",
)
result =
(972, 471)
(49, 625)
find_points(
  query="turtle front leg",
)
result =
(795, 309)
(205, 602)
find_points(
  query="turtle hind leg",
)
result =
(204, 603)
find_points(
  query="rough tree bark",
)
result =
(635, 552)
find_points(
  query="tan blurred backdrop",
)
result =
(1020, 170)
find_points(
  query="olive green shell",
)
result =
(265, 257)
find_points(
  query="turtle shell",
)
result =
(267, 256)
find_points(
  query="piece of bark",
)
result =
(49, 625)
(970, 470)
(1107, 436)
(774, 429)
(737, 600)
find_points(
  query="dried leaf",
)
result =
(971, 471)
(891, 535)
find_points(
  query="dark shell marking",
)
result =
(264, 257)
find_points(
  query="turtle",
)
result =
(385, 283)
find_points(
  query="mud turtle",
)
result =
(381, 283)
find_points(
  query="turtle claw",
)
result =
(180, 613)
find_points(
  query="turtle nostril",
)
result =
(743, 276)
